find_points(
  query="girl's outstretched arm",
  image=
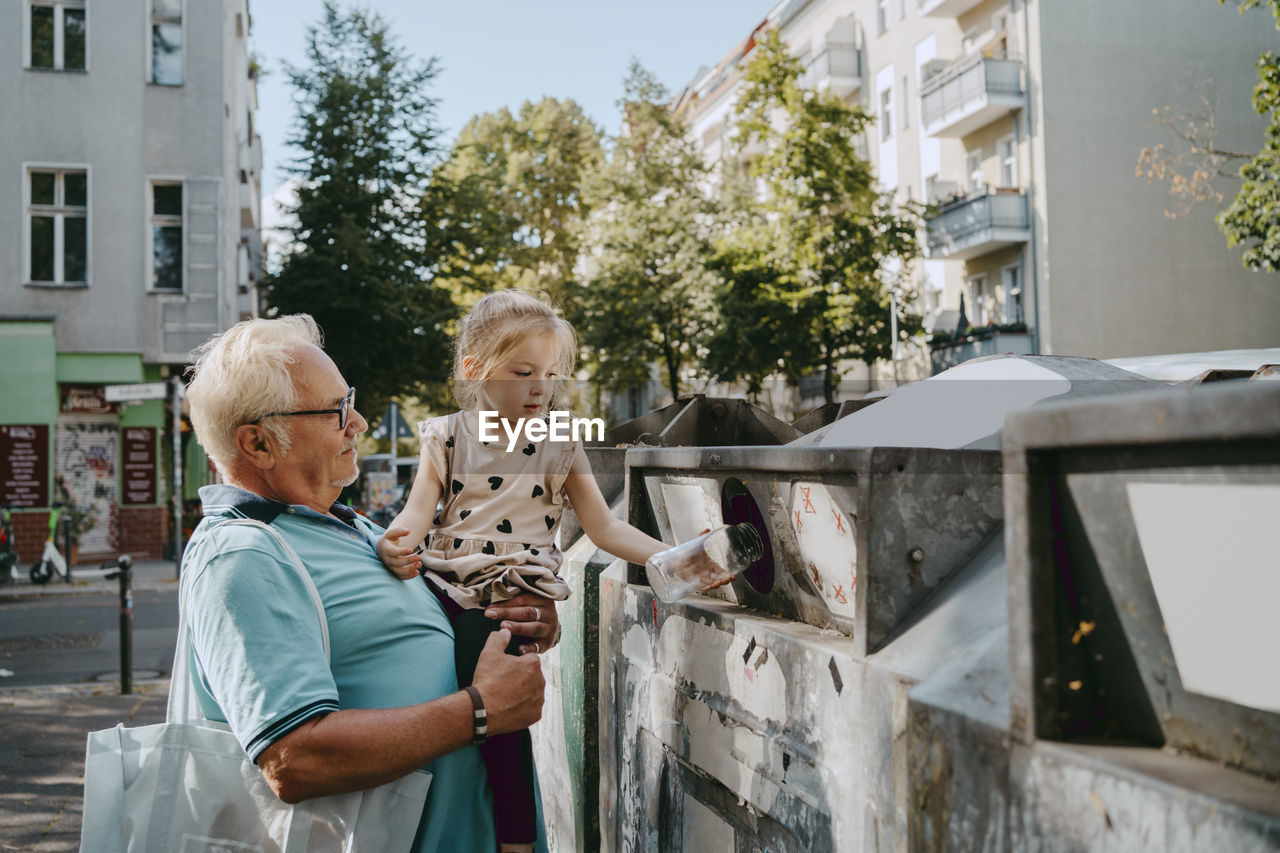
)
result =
(411, 526)
(605, 530)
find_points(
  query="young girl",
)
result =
(494, 535)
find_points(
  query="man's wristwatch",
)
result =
(480, 719)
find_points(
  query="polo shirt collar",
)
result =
(222, 499)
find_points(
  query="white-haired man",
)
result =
(279, 421)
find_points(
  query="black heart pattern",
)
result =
(456, 486)
(494, 482)
(488, 548)
(529, 451)
(533, 551)
(463, 515)
(457, 543)
(526, 547)
(449, 442)
(505, 526)
(551, 522)
(537, 491)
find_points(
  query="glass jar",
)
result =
(708, 560)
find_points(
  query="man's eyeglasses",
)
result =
(344, 408)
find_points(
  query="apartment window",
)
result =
(886, 114)
(978, 313)
(57, 224)
(882, 16)
(1011, 280)
(973, 170)
(57, 35)
(166, 42)
(1008, 153)
(166, 236)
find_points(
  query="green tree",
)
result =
(819, 257)
(1252, 220)
(508, 200)
(366, 131)
(646, 297)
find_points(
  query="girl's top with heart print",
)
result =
(494, 535)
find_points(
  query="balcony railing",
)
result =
(990, 340)
(838, 67)
(971, 94)
(977, 224)
(946, 8)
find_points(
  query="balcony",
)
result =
(838, 68)
(978, 223)
(988, 340)
(946, 8)
(971, 94)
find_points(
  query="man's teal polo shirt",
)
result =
(257, 647)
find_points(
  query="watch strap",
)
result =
(480, 718)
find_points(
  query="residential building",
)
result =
(129, 233)
(1022, 122)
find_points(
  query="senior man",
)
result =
(279, 421)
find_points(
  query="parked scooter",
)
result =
(51, 560)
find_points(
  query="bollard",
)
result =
(124, 565)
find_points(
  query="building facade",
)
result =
(1022, 122)
(129, 233)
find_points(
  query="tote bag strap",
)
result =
(182, 699)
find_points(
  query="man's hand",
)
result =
(510, 686)
(399, 560)
(530, 616)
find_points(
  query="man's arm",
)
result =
(351, 750)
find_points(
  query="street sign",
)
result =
(393, 415)
(137, 391)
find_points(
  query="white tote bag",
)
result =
(186, 786)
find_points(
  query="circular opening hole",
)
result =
(737, 507)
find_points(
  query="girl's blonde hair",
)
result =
(496, 326)
(243, 374)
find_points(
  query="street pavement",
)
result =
(43, 726)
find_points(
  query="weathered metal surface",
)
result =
(858, 537)
(966, 697)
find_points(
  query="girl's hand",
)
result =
(399, 560)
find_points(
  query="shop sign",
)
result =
(24, 465)
(138, 458)
(86, 400)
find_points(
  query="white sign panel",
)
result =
(139, 391)
(1211, 552)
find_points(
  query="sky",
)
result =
(496, 53)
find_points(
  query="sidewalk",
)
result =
(153, 575)
(42, 755)
(43, 729)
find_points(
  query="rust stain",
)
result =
(655, 613)
(817, 578)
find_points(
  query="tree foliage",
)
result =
(1252, 220)
(808, 271)
(366, 130)
(507, 202)
(646, 298)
